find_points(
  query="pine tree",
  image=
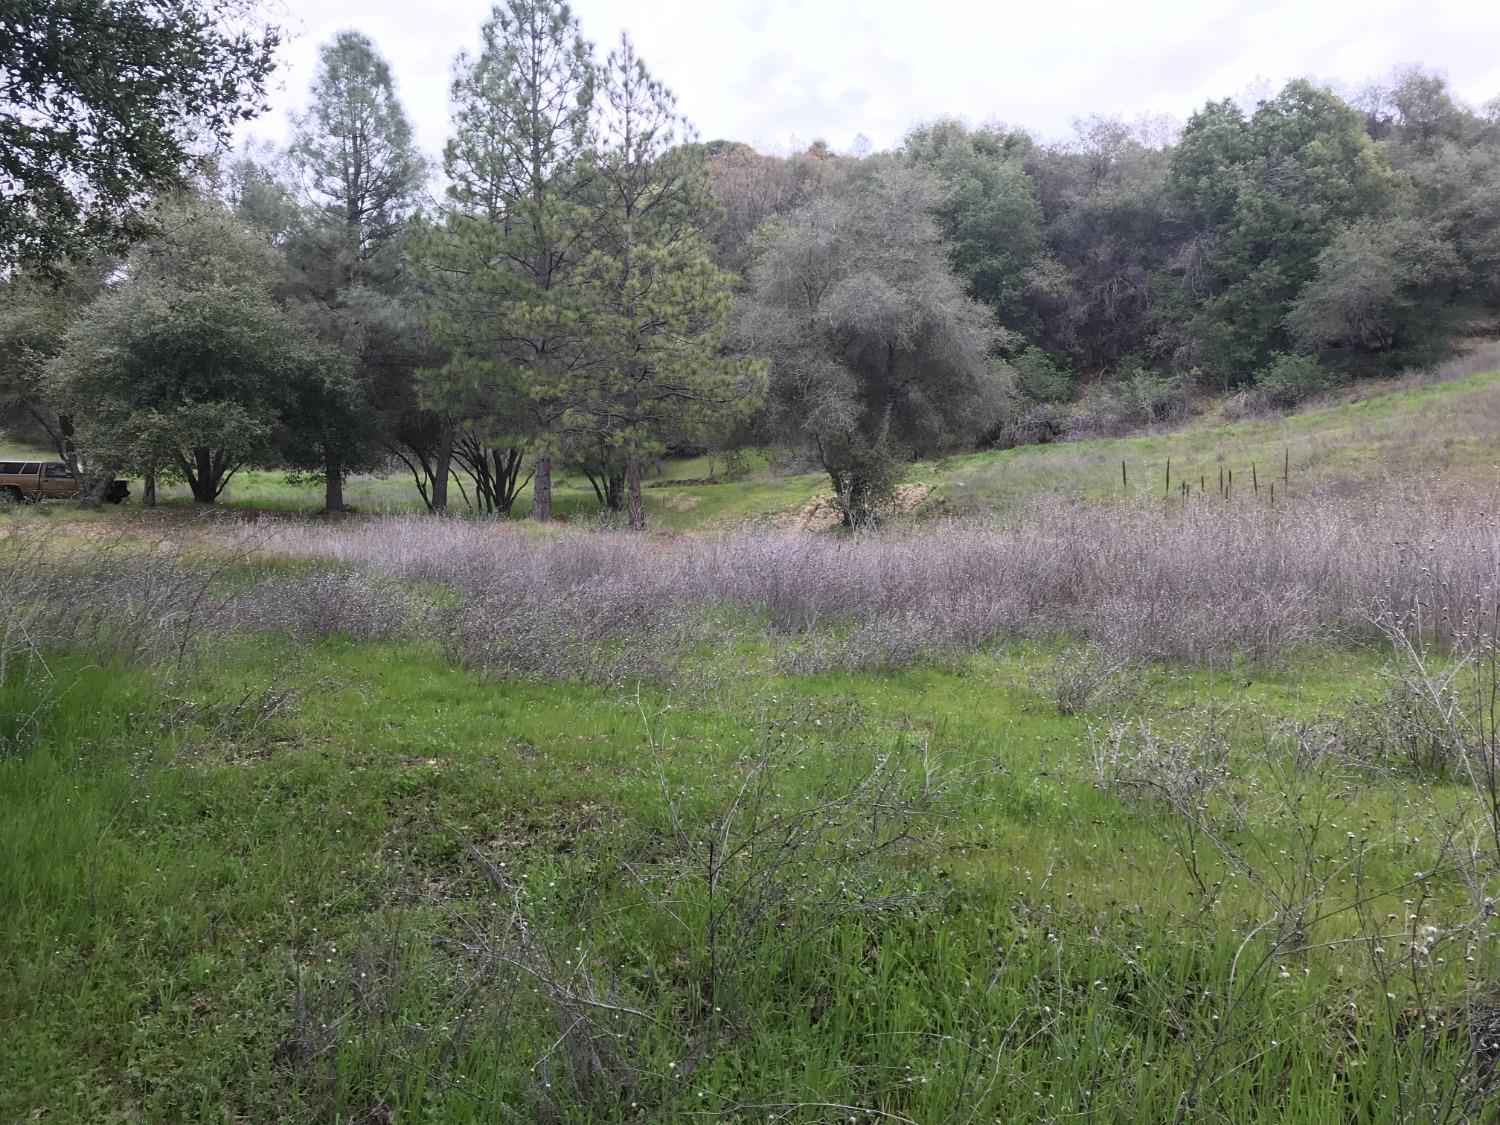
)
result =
(363, 175)
(508, 252)
(658, 305)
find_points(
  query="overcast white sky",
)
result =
(771, 72)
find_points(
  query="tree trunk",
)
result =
(204, 480)
(633, 493)
(541, 490)
(148, 489)
(441, 471)
(333, 485)
(507, 470)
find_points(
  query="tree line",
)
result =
(595, 287)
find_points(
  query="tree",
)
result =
(876, 351)
(1385, 288)
(1266, 195)
(752, 187)
(189, 365)
(35, 314)
(1109, 233)
(657, 305)
(503, 262)
(105, 101)
(355, 152)
(988, 215)
(1456, 182)
(1417, 115)
(363, 175)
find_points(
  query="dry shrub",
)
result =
(1085, 675)
(1183, 772)
(1200, 584)
(313, 604)
(120, 597)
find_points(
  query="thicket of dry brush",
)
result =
(1200, 584)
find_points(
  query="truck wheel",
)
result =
(10, 496)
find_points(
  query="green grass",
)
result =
(677, 507)
(1443, 436)
(210, 918)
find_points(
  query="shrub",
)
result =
(1151, 397)
(1036, 425)
(1291, 379)
(1138, 397)
(1040, 378)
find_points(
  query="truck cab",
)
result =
(32, 481)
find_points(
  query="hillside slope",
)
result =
(1445, 435)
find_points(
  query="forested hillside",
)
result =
(580, 285)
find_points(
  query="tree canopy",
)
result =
(103, 102)
(188, 365)
(876, 351)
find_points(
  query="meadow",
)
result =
(1435, 428)
(1088, 806)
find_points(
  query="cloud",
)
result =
(767, 70)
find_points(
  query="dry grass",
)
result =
(1199, 584)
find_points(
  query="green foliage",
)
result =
(1139, 396)
(1457, 193)
(1268, 194)
(1385, 288)
(1110, 232)
(189, 365)
(354, 154)
(657, 306)
(500, 269)
(1292, 379)
(109, 100)
(35, 314)
(988, 215)
(876, 350)
(1040, 377)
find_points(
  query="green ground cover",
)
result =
(1443, 436)
(225, 905)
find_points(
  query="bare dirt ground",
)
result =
(819, 513)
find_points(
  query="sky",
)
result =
(780, 73)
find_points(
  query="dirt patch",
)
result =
(819, 514)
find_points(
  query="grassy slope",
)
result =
(1444, 434)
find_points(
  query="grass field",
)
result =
(317, 917)
(1444, 435)
(1117, 811)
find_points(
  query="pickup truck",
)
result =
(47, 480)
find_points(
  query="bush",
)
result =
(1040, 377)
(1291, 379)
(1152, 396)
(1139, 397)
(1037, 425)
